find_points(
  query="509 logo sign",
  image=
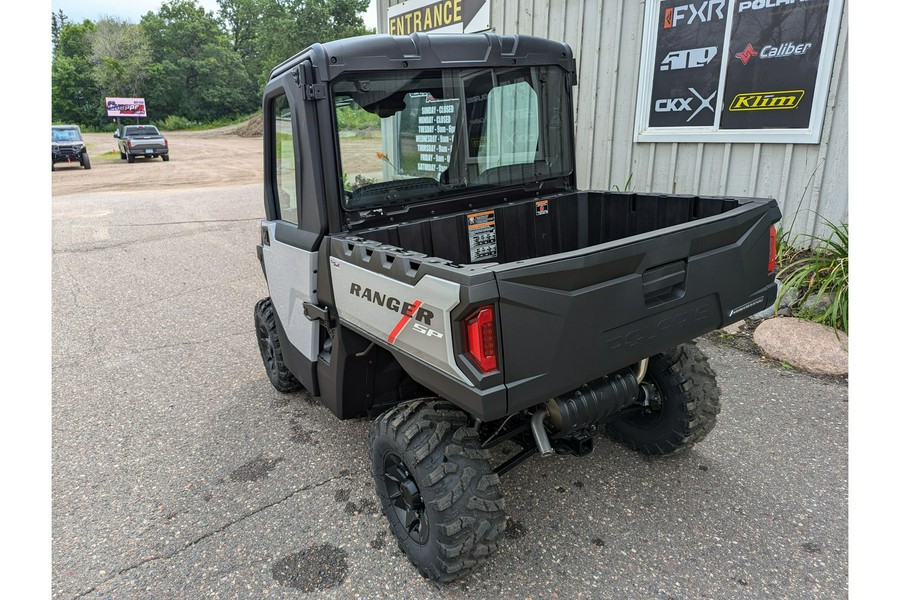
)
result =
(664, 105)
(781, 100)
(688, 59)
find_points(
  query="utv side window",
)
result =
(285, 168)
(510, 125)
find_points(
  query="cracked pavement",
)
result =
(179, 472)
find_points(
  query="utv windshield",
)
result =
(418, 136)
(66, 135)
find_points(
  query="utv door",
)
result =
(293, 228)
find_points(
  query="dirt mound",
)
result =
(251, 128)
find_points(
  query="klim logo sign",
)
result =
(781, 100)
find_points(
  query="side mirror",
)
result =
(116, 135)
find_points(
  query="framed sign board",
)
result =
(736, 70)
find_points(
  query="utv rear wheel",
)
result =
(129, 158)
(270, 348)
(165, 157)
(441, 497)
(682, 404)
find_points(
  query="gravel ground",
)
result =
(178, 472)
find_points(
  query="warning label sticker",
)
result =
(482, 235)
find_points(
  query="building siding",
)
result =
(808, 180)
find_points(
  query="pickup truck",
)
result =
(432, 264)
(143, 141)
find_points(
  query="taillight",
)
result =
(166, 142)
(128, 143)
(773, 242)
(481, 339)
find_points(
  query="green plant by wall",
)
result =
(820, 276)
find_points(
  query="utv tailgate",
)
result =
(569, 318)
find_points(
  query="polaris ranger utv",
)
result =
(430, 261)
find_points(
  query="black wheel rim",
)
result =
(405, 498)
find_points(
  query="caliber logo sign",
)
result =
(784, 100)
(684, 104)
(699, 12)
(746, 54)
(688, 59)
(773, 51)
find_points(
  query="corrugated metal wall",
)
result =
(605, 36)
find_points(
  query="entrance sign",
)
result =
(443, 16)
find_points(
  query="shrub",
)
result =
(176, 123)
(820, 276)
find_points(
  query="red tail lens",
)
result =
(773, 243)
(481, 339)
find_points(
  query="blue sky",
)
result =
(78, 10)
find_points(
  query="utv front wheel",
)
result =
(681, 400)
(85, 160)
(270, 348)
(439, 493)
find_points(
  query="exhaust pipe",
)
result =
(539, 433)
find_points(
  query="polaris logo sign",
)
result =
(684, 104)
(763, 4)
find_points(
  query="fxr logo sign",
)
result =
(683, 104)
(704, 14)
(782, 100)
(688, 59)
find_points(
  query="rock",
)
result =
(733, 329)
(784, 306)
(803, 344)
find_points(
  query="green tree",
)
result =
(76, 98)
(120, 53)
(268, 32)
(196, 74)
(58, 20)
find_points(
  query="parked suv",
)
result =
(67, 145)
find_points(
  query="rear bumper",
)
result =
(148, 149)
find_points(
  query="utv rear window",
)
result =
(408, 137)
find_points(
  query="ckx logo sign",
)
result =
(687, 14)
(684, 104)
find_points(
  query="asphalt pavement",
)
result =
(179, 472)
